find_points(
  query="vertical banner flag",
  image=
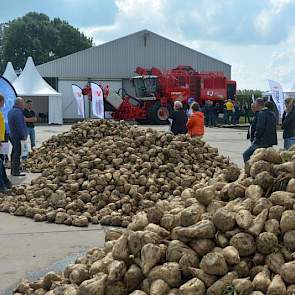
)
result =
(7, 90)
(277, 95)
(79, 99)
(97, 101)
(253, 98)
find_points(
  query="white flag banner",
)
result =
(79, 99)
(97, 101)
(253, 98)
(277, 95)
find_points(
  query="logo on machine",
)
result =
(210, 92)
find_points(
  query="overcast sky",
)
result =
(257, 37)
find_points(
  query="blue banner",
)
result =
(7, 90)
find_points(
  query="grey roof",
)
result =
(118, 59)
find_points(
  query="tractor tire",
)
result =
(159, 114)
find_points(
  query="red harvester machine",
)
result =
(156, 91)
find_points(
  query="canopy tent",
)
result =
(30, 84)
(9, 73)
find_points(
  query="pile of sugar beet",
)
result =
(106, 171)
(219, 237)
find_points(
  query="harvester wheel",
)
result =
(159, 114)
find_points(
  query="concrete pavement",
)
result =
(229, 141)
(27, 247)
(232, 142)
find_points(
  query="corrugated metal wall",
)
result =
(119, 58)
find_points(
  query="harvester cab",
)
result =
(145, 86)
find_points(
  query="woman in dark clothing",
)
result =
(178, 119)
(288, 123)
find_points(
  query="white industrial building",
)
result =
(114, 62)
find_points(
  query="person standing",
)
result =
(288, 123)
(206, 112)
(18, 132)
(216, 113)
(247, 110)
(236, 114)
(211, 114)
(229, 108)
(195, 123)
(178, 119)
(190, 101)
(266, 130)
(5, 183)
(224, 114)
(30, 119)
(252, 128)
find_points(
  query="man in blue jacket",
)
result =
(265, 131)
(18, 132)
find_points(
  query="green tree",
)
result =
(245, 96)
(69, 39)
(36, 35)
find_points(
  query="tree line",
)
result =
(244, 97)
(36, 35)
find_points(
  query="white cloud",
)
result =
(264, 21)
(132, 15)
(282, 62)
(133, 7)
(94, 31)
(256, 37)
(278, 5)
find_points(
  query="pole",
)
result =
(84, 106)
(89, 102)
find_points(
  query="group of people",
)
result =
(262, 132)
(231, 112)
(21, 119)
(191, 122)
(194, 119)
(263, 129)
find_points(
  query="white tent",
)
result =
(30, 84)
(9, 73)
